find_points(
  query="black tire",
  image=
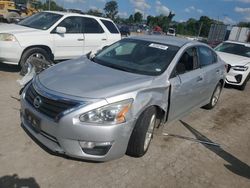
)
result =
(212, 103)
(136, 145)
(31, 53)
(243, 86)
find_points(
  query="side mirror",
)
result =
(60, 30)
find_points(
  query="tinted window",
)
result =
(90, 25)
(72, 24)
(206, 56)
(43, 20)
(110, 26)
(187, 62)
(137, 56)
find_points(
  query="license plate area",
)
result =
(33, 120)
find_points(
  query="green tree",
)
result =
(244, 24)
(138, 17)
(192, 27)
(161, 21)
(95, 12)
(205, 24)
(131, 19)
(111, 9)
(53, 6)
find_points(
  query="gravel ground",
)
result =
(170, 161)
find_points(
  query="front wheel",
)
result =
(142, 134)
(30, 54)
(215, 97)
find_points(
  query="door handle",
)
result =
(80, 39)
(104, 39)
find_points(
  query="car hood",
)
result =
(233, 59)
(15, 29)
(86, 79)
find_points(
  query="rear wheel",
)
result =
(142, 134)
(215, 97)
(30, 54)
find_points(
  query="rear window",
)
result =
(206, 56)
(110, 26)
(91, 26)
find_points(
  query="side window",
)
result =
(206, 56)
(187, 62)
(110, 26)
(72, 24)
(90, 25)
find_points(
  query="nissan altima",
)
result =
(104, 106)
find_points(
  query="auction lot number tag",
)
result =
(159, 46)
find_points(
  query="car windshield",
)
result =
(42, 20)
(137, 56)
(232, 48)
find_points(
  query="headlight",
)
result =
(111, 114)
(7, 37)
(239, 68)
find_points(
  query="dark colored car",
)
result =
(124, 30)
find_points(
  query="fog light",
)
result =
(87, 144)
(95, 148)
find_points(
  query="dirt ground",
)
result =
(170, 161)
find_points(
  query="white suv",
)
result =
(54, 36)
(237, 57)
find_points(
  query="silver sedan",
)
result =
(103, 106)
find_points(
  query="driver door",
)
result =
(186, 84)
(70, 44)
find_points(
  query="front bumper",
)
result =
(237, 78)
(65, 136)
(10, 52)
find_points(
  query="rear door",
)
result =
(212, 70)
(94, 36)
(113, 33)
(70, 44)
(187, 81)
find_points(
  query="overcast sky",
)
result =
(229, 11)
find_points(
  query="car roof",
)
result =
(163, 39)
(77, 14)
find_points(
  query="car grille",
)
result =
(50, 107)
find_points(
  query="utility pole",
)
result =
(49, 4)
(200, 29)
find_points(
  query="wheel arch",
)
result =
(47, 48)
(160, 113)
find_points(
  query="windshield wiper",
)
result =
(118, 68)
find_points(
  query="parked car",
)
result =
(237, 56)
(171, 32)
(124, 30)
(54, 36)
(103, 107)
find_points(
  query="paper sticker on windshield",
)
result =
(159, 46)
